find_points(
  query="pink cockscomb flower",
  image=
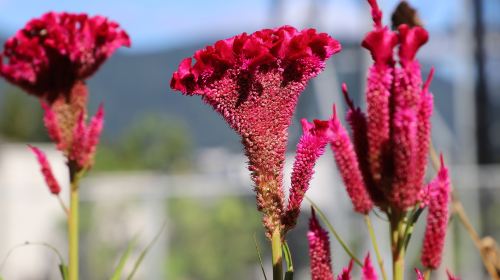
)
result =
(349, 168)
(56, 51)
(310, 147)
(50, 180)
(254, 82)
(319, 251)
(51, 57)
(368, 271)
(437, 219)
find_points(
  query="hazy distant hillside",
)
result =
(134, 85)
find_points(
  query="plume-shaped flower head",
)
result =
(311, 146)
(46, 169)
(52, 53)
(437, 219)
(368, 271)
(254, 82)
(319, 251)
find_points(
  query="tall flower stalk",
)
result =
(254, 82)
(50, 58)
(383, 163)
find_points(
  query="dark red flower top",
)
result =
(52, 53)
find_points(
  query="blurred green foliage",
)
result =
(153, 142)
(213, 239)
(21, 117)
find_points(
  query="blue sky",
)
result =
(157, 24)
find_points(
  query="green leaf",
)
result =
(64, 271)
(260, 257)
(27, 243)
(145, 251)
(123, 260)
(289, 263)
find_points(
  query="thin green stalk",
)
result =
(73, 222)
(334, 232)
(277, 255)
(375, 246)
(260, 257)
(289, 262)
(427, 274)
(397, 237)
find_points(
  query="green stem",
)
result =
(375, 246)
(277, 255)
(427, 274)
(398, 252)
(399, 267)
(335, 233)
(73, 223)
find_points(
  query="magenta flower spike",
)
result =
(254, 82)
(368, 271)
(311, 146)
(380, 42)
(86, 138)
(423, 132)
(349, 169)
(46, 170)
(52, 125)
(319, 251)
(345, 274)
(411, 115)
(437, 219)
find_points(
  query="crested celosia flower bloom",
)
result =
(437, 219)
(51, 57)
(319, 251)
(56, 51)
(46, 169)
(254, 82)
(386, 160)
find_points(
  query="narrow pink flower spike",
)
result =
(50, 180)
(380, 42)
(51, 53)
(345, 274)
(423, 132)
(451, 276)
(368, 271)
(311, 146)
(437, 219)
(420, 275)
(52, 125)
(357, 121)
(254, 82)
(77, 152)
(319, 251)
(403, 194)
(348, 166)
(93, 134)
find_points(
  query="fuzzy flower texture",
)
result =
(385, 163)
(50, 58)
(254, 82)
